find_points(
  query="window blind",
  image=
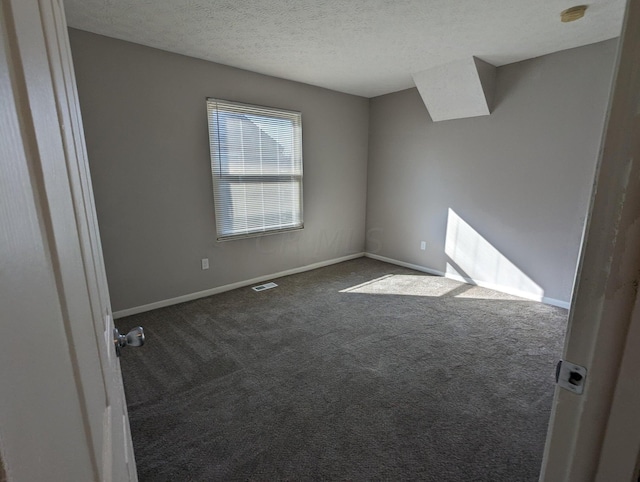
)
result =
(256, 164)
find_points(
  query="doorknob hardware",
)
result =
(134, 338)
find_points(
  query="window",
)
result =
(256, 163)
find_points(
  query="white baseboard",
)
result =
(221, 289)
(555, 302)
(406, 265)
(241, 284)
(484, 284)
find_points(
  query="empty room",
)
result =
(364, 240)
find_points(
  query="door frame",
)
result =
(596, 436)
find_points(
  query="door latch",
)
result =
(570, 376)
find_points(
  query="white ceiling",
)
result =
(362, 47)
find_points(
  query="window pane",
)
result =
(256, 161)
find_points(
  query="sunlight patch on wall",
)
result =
(475, 259)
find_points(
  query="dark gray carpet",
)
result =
(405, 377)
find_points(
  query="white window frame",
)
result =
(231, 226)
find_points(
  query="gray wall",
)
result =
(518, 181)
(145, 122)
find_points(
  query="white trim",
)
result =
(221, 289)
(484, 284)
(621, 444)
(556, 302)
(241, 284)
(403, 263)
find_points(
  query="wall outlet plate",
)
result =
(423, 245)
(205, 263)
(571, 377)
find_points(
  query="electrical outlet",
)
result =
(423, 245)
(205, 263)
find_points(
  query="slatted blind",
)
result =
(256, 163)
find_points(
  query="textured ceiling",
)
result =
(362, 47)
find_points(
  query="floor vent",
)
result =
(263, 287)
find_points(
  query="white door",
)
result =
(62, 409)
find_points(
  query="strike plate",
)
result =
(571, 377)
